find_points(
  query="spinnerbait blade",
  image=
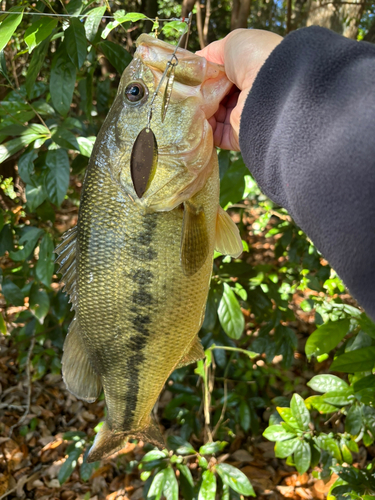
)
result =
(168, 90)
(143, 161)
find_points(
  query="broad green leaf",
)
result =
(355, 361)
(12, 293)
(207, 490)
(202, 462)
(75, 40)
(156, 488)
(36, 64)
(64, 138)
(346, 453)
(215, 447)
(9, 25)
(186, 481)
(319, 404)
(327, 383)
(277, 433)
(6, 239)
(286, 415)
(36, 194)
(45, 265)
(57, 178)
(154, 455)
(230, 314)
(302, 457)
(85, 145)
(132, 17)
(353, 421)
(92, 22)
(170, 489)
(74, 435)
(326, 337)
(62, 82)
(39, 31)
(69, 465)
(367, 325)
(116, 55)
(235, 479)
(182, 447)
(26, 166)
(330, 445)
(339, 398)
(3, 66)
(9, 148)
(86, 469)
(300, 412)
(232, 185)
(28, 241)
(74, 7)
(39, 303)
(284, 449)
(174, 28)
(245, 416)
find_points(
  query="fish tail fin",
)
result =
(108, 442)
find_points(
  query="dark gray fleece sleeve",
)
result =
(307, 135)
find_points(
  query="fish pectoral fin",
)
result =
(66, 252)
(195, 353)
(108, 442)
(227, 238)
(78, 374)
(194, 240)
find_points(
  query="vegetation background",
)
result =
(290, 355)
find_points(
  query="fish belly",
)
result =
(138, 313)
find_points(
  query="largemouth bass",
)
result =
(138, 266)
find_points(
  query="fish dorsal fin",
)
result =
(195, 353)
(227, 237)
(78, 374)
(66, 252)
(194, 241)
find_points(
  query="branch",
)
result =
(28, 379)
(199, 24)
(206, 21)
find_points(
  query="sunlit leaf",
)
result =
(230, 314)
(39, 31)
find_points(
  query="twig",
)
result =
(199, 24)
(207, 21)
(9, 492)
(207, 401)
(216, 428)
(28, 373)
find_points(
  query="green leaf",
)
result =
(132, 17)
(28, 241)
(69, 465)
(45, 265)
(74, 7)
(232, 185)
(93, 21)
(9, 25)
(277, 433)
(3, 326)
(182, 447)
(64, 138)
(36, 64)
(87, 469)
(76, 45)
(26, 166)
(154, 455)
(245, 416)
(339, 398)
(207, 490)
(330, 445)
(286, 415)
(12, 294)
(355, 361)
(302, 457)
(367, 325)
(3, 66)
(215, 447)
(57, 177)
(235, 479)
(36, 194)
(186, 481)
(327, 383)
(6, 239)
(39, 303)
(300, 412)
(85, 145)
(62, 82)
(116, 55)
(284, 449)
(319, 404)
(326, 337)
(353, 421)
(156, 488)
(230, 314)
(39, 31)
(170, 489)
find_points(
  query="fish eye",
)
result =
(135, 92)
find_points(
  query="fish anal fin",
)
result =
(78, 374)
(194, 241)
(195, 353)
(108, 442)
(227, 237)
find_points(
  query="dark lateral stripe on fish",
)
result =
(140, 320)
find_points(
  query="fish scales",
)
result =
(141, 267)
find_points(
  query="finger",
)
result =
(213, 52)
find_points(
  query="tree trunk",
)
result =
(240, 14)
(187, 7)
(343, 18)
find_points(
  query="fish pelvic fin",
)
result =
(195, 353)
(108, 442)
(66, 252)
(78, 374)
(227, 237)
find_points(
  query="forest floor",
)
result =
(30, 461)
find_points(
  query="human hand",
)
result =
(242, 52)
